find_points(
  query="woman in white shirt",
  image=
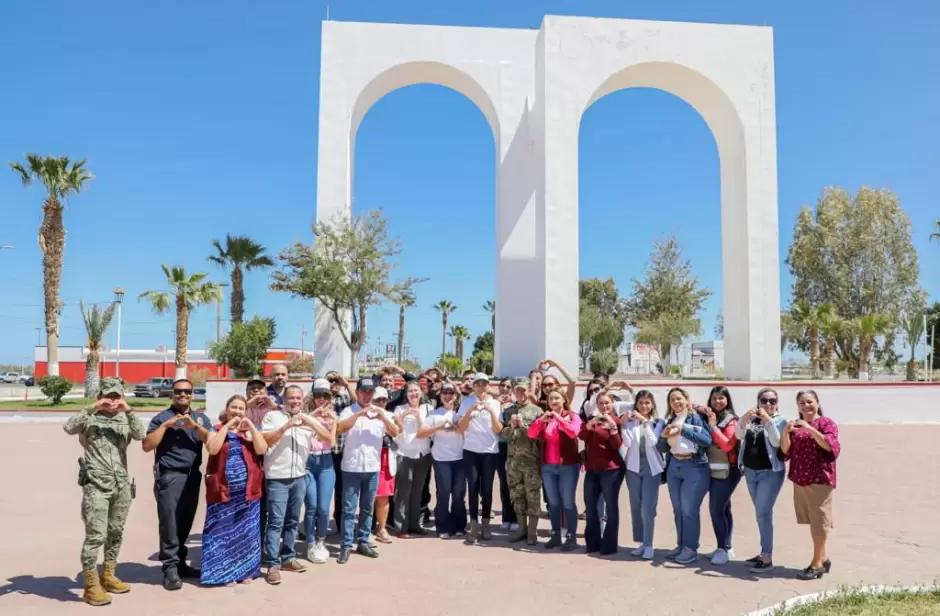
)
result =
(415, 462)
(479, 422)
(640, 433)
(450, 511)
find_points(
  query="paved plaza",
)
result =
(886, 532)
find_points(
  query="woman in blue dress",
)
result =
(231, 540)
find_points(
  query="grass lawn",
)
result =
(74, 404)
(859, 604)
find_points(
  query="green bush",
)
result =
(604, 361)
(55, 387)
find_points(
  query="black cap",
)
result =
(409, 377)
(255, 382)
(365, 384)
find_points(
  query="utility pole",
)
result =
(303, 338)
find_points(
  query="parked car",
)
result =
(156, 387)
(199, 393)
(28, 380)
(10, 377)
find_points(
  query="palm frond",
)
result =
(97, 322)
(159, 300)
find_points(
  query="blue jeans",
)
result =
(450, 512)
(285, 500)
(644, 499)
(719, 507)
(688, 484)
(764, 487)
(602, 486)
(561, 482)
(358, 491)
(320, 480)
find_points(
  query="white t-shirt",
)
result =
(362, 452)
(409, 445)
(448, 443)
(287, 458)
(479, 436)
(620, 408)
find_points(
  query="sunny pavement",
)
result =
(886, 532)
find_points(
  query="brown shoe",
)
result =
(110, 582)
(273, 576)
(294, 566)
(94, 593)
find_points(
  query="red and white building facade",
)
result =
(137, 365)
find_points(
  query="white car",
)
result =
(11, 377)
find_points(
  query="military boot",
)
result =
(94, 594)
(111, 582)
(532, 538)
(522, 531)
(485, 533)
(473, 537)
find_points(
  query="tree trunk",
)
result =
(828, 356)
(182, 332)
(458, 344)
(401, 332)
(864, 354)
(238, 296)
(814, 351)
(91, 374)
(443, 334)
(52, 244)
(911, 373)
(360, 340)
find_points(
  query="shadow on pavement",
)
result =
(57, 588)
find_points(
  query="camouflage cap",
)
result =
(111, 385)
(520, 382)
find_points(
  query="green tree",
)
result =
(186, 293)
(855, 253)
(911, 325)
(484, 342)
(239, 255)
(490, 306)
(482, 362)
(604, 296)
(61, 177)
(405, 300)
(868, 329)
(597, 330)
(830, 328)
(96, 326)
(347, 271)
(933, 341)
(604, 361)
(665, 304)
(245, 346)
(459, 333)
(810, 319)
(450, 364)
(54, 387)
(410, 365)
(445, 307)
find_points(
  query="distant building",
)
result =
(693, 358)
(139, 365)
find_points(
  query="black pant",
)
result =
(338, 491)
(606, 485)
(177, 495)
(426, 496)
(509, 513)
(480, 469)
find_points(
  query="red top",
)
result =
(726, 440)
(217, 482)
(809, 463)
(602, 447)
(559, 438)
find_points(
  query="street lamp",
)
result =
(119, 300)
(218, 315)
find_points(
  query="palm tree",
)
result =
(869, 327)
(445, 307)
(96, 325)
(459, 333)
(405, 300)
(830, 328)
(187, 292)
(241, 254)
(61, 177)
(810, 319)
(913, 327)
(490, 306)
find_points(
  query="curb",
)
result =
(780, 608)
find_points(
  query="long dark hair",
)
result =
(807, 392)
(721, 390)
(648, 395)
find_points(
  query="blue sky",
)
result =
(200, 119)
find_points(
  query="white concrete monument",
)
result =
(533, 87)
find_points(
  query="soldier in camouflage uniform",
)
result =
(523, 462)
(104, 430)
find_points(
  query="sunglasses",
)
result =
(315, 396)
(182, 392)
(768, 401)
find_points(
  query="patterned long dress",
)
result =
(231, 540)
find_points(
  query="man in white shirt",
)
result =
(288, 434)
(364, 426)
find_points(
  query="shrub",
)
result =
(198, 377)
(604, 361)
(55, 387)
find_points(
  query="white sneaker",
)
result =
(673, 553)
(719, 557)
(504, 526)
(638, 551)
(730, 554)
(311, 552)
(443, 536)
(513, 528)
(687, 556)
(320, 553)
(648, 553)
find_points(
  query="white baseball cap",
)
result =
(321, 386)
(479, 376)
(380, 392)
